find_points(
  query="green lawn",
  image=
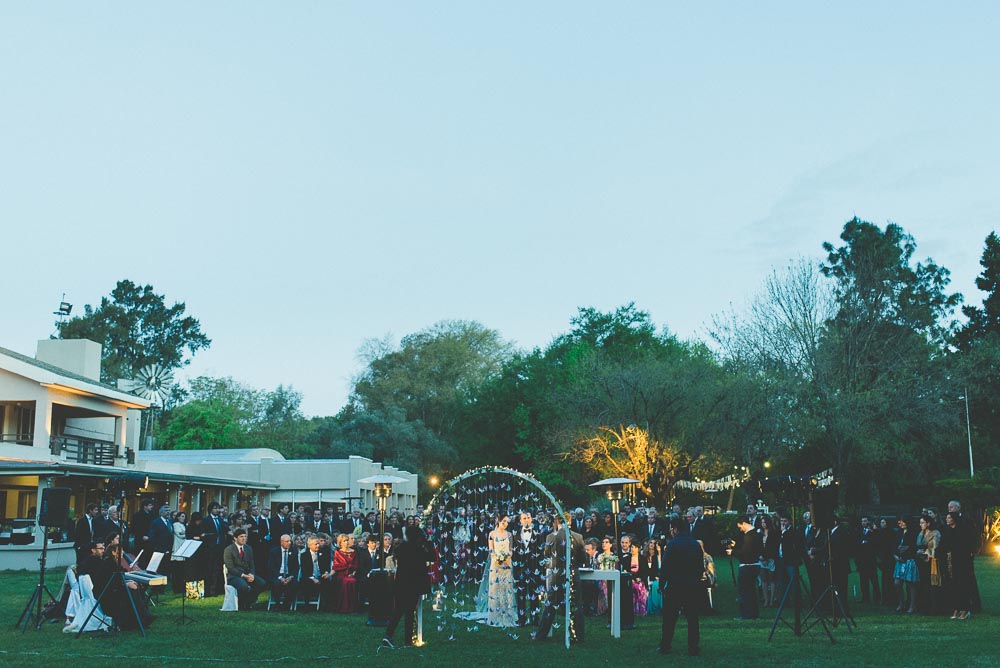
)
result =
(258, 637)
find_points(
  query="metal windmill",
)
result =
(152, 382)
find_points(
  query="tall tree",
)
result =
(985, 320)
(882, 373)
(136, 328)
(432, 374)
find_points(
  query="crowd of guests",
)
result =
(313, 554)
(912, 565)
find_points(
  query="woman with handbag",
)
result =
(906, 575)
(929, 587)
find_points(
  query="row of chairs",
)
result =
(230, 602)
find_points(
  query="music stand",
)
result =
(183, 553)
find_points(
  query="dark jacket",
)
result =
(306, 564)
(750, 548)
(161, 536)
(412, 558)
(274, 562)
(683, 564)
(236, 565)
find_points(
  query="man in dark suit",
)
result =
(625, 566)
(281, 522)
(865, 561)
(214, 532)
(789, 554)
(704, 530)
(314, 571)
(367, 560)
(370, 524)
(352, 522)
(680, 574)
(411, 581)
(526, 552)
(113, 523)
(241, 570)
(87, 531)
(817, 561)
(161, 538)
(749, 553)
(257, 529)
(283, 565)
(317, 524)
(555, 578)
(650, 527)
(340, 522)
(840, 562)
(140, 529)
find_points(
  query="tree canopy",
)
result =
(136, 328)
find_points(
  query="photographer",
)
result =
(412, 581)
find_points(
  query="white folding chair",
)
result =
(231, 601)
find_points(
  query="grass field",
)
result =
(882, 639)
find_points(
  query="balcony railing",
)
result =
(20, 439)
(85, 450)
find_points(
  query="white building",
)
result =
(61, 427)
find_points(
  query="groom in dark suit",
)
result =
(526, 551)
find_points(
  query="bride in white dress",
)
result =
(502, 604)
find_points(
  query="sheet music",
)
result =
(187, 549)
(154, 562)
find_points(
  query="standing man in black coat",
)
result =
(790, 553)
(214, 532)
(526, 552)
(680, 581)
(88, 530)
(412, 580)
(555, 579)
(749, 553)
(161, 538)
(866, 561)
(840, 562)
(625, 567)
(140, 529)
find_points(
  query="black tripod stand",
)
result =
(836, 603)
(33, 610)
(793, 591)
(117, 579)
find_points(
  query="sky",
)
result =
(306, 176)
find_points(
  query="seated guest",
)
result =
(283, 565)
(345, 567)
(314, 571)
(242, 573)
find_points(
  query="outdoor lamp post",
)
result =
(614, 489)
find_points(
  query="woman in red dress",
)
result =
(345, 566)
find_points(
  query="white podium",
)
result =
(613, 578)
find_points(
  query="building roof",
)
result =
(51, 375)
(249, 455)
(10, 466)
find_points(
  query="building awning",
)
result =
(28, 467)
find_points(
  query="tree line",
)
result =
(858, 361)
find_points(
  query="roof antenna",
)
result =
(65, 308)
